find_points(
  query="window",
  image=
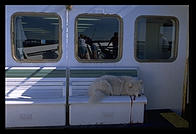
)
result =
(98, 38)
(156, 38)
(36, 37)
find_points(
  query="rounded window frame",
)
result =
(120, 41)
(38, 14)
(175, 41)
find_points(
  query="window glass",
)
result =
(36, 37)
(156, 38)
(98, 38)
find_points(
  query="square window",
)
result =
(98, 38)
(156, 38)
(36, 37)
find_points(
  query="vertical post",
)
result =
(68, 7)
(186, 75)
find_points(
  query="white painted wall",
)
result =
(163, 81)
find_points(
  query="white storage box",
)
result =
(28, 114)
(111, 110)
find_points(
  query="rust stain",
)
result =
(131, 108)
(132, 99)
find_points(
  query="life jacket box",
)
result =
(27, 114)
(111, 110)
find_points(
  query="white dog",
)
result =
(113, 85)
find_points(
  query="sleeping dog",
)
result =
(109, 85)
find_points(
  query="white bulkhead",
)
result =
(163, 80)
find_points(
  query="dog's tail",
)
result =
(98, 90)
(96, 97)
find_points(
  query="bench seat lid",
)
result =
(35, 101)
(107, 99)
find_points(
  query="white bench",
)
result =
(112, 109)
(35, 97)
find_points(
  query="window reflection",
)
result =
(36, 37)
(98, 37)
(155, 38)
